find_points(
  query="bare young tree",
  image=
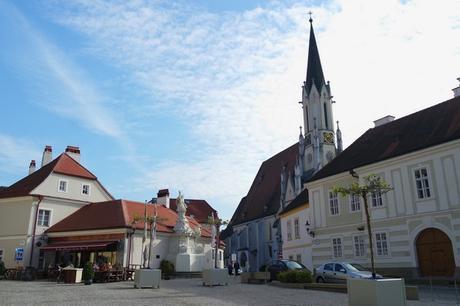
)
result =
(372, 184)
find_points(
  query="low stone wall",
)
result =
(411, 291)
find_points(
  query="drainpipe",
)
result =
(40, 198)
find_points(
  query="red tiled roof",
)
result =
(199, 209)
(119, 214)
(63, 164)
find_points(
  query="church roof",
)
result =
(63, 164)
(263, 198)
(426, 128)
(314, 70)
(298, 201)
(119, 214)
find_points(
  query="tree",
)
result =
(372, 184)
(215, 224)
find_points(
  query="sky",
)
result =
(195, 95)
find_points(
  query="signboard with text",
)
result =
(19, 254)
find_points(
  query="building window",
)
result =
(355, 204)
(289, 230)
(62, 186)
(333, 203)
(382, 244)
(358, 242)
(337, 247)
(296, 228)
(85, 189)
(376, 198)
(1, 254)
(326, 120)
(44, 217)
(291, 257)
(422, 183)
(270, 231)
(299, 258)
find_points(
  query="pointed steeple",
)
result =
(314, 70)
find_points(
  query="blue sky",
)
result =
(194, 95)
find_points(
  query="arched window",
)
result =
(306, 116)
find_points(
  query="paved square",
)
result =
(171, 292)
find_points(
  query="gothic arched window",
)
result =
(325, 116)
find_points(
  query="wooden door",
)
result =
(435, 254)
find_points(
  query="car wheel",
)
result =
(320, 279)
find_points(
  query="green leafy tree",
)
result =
(371, 184)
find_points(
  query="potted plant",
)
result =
(88, 273)
(167, 268)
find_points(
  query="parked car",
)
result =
(338, 272)
(282, 265)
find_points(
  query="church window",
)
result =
(289, 230)
(326, 120)
(333, 203)
(422, 183)
(306, 116)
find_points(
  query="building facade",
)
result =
(416, 226)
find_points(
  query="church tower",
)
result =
(318, 142)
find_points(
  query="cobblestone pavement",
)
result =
(179, 292)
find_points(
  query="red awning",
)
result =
(77, 246)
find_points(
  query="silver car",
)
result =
(338, 272)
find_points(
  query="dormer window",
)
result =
(85, 189)
(62, 187)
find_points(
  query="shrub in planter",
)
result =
(295, 277)
(2, 269)
(88, 273)
(167, 268)
(263, 268)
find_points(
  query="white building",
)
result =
(416, 226)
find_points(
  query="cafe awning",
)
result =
(78, 246)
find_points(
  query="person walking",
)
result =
(230, 267)
(236, 266)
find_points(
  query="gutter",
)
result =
(40, 198)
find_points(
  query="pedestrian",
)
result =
(236, 266)
(230, 267)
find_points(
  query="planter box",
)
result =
(147, 278)
(72, 275)
(376, 292)
(212, 277)
(247, 277)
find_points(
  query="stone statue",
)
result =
(181, 226)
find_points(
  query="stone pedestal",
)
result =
(213, 277)
(147, 278)
(376, 292)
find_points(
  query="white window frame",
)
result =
(376, 197)
(289, 230)
(296, 228)
(66, 186)
(2, 254)
(357, 246)
(49, 218)
(83, 188)
(423, 182)
(379, 241)
(353, 198)
(334, 209)
(337, 248)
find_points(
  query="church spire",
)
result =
(314, 70)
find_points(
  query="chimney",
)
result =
(73, 152)
(457, 90)
(47, 155)
(383, 120)
(32, 166)
(163, 197)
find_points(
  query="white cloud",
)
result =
(15, 156)
(235, 78)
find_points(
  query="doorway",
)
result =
(435, 253)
